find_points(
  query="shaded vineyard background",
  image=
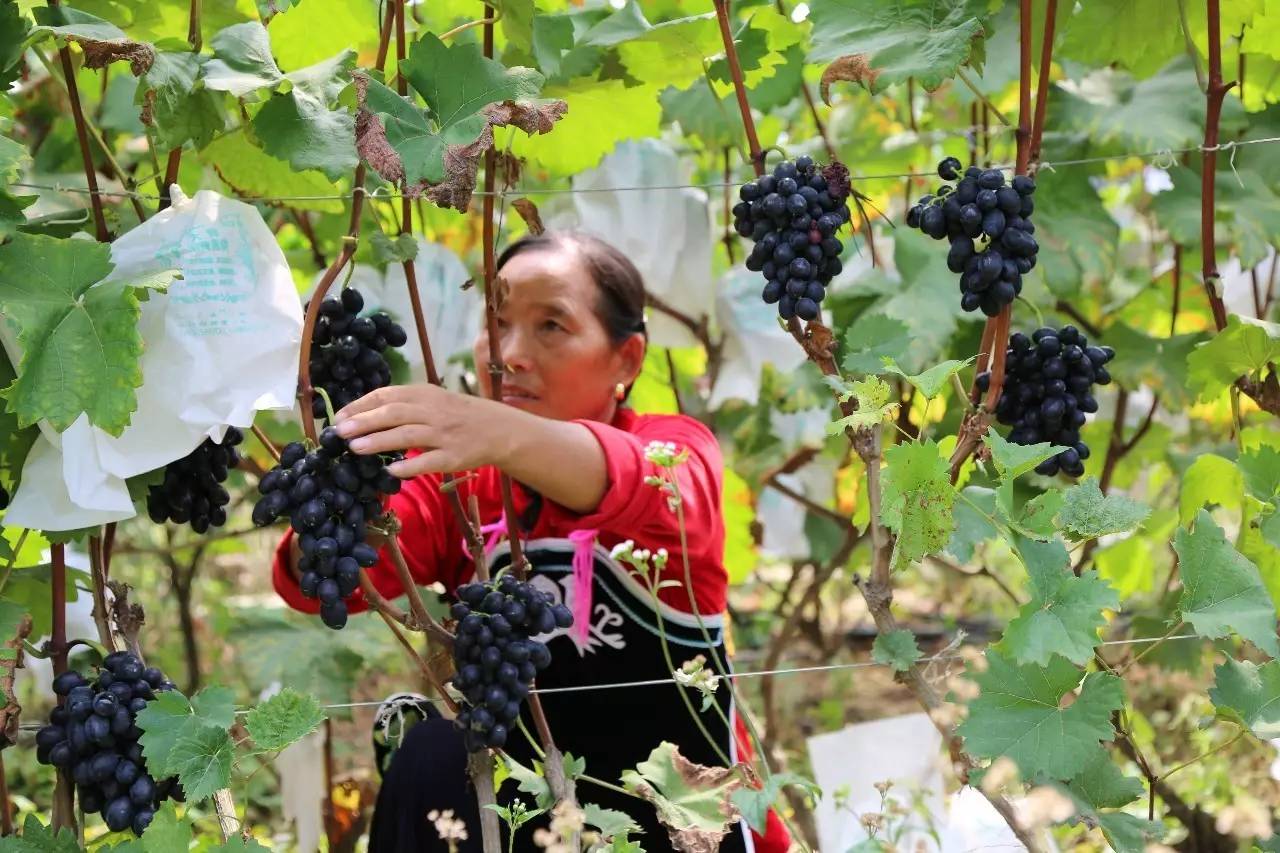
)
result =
(888, 88)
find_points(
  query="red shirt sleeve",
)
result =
(430, 540)
(633, 509)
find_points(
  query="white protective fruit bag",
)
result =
(752, 338)
(452, 314)
(221, 344)
(665, 232)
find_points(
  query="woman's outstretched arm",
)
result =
(562, 460)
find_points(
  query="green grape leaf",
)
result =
(298, 125)
(168, 832)
(896, 649)
(1245, 347)
(242, 60)
(1089, 514)
(1039, 514)
(599, 115)
(1079, 239)
(871, 397)
(673, 53)
(163, 722)
(609, 822)
(754, 804)
(1062, 618)
(917, 499)
(15, 442)
(892, 40)
(1156, 361)
(252, 173)
(215, 705)
(457, 80)
(871, 339)
(408, 130)
(175, 105)
(237, 844)
(201, 759)
(1101, 785)
(700, 113)
(1248, 215)
(530, 781)
(973, 514)
(692, 801)
(1261, 469)
(1014, 460)
(38, 838)
(1250, 694)
(81, 343)
(1045, 562)
(388, 251)
(931, 382)
(13, 35)
(1019, 714)
(304, 655)
(286, 717)
(1141, 35)
(1222, 591)
(1211, 479)
(622, 25)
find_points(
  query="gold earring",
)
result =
(619, 391)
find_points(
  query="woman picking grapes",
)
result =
(572, 340)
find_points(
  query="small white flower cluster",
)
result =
(694, 673)
(567, 820)
(640, 558)
(448, 827)
(665, 453)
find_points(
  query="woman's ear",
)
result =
(631, 358)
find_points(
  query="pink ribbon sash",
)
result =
(583, 572)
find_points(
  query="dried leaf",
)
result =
(99, 53)
(852, 68)
(693, 801)
(529, 213)
(371, 139)
(530, 117)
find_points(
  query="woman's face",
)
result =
(560, 361)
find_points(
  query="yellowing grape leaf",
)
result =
(80, 341)
(693, 801)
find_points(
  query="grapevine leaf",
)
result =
(253, 173)
(102, 42)
(286, 717)
(754, 804)
(1101, 785)
(1222, 590)
(896, 649)
(298, 125)
(201, 759)
(692, 801)
(1155, 361)
(409, 132)
(1138, 34)
(931, 382)
(1039, 514)
(918, 499)
(701, 113)
(1249, 694)
(163, 722)
(31, 586)
(871, 398)
(215, 706)
(237, 844)
(81, 342)
(1045, 562)
(625, 24)
(1088, 513)
(242, 60)
(457, 80)
(871, 339)
(13, 34)
(599, 115)
(38, 838)
(897, 39)
(673, 52)
(973, 522)
(531, 782)
(15, 442)
(167, 832)
(1014, 460)
(609, 822)
(1018, 714)
(1245, 347)
(326, 27)
(1063, 618)
(1250, 210)
(387, 251)
(175, 105)
(1261, 469)
(1078, 237)
(1211, 479)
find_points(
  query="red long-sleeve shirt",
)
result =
(433, 547)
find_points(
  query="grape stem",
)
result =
(63, 792)
(266, 442)
(98, 578)
(739, 86)
(1215, 93)
(422, 620)
(982, 98)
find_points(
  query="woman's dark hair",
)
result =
(621, 304)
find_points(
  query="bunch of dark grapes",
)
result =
(329, 496)
(793, 215)
(192, 491)
(93, 735)
(494, 655)
(347, 358)
(1047, 391)
(989, 226)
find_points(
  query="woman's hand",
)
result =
(456, 432)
